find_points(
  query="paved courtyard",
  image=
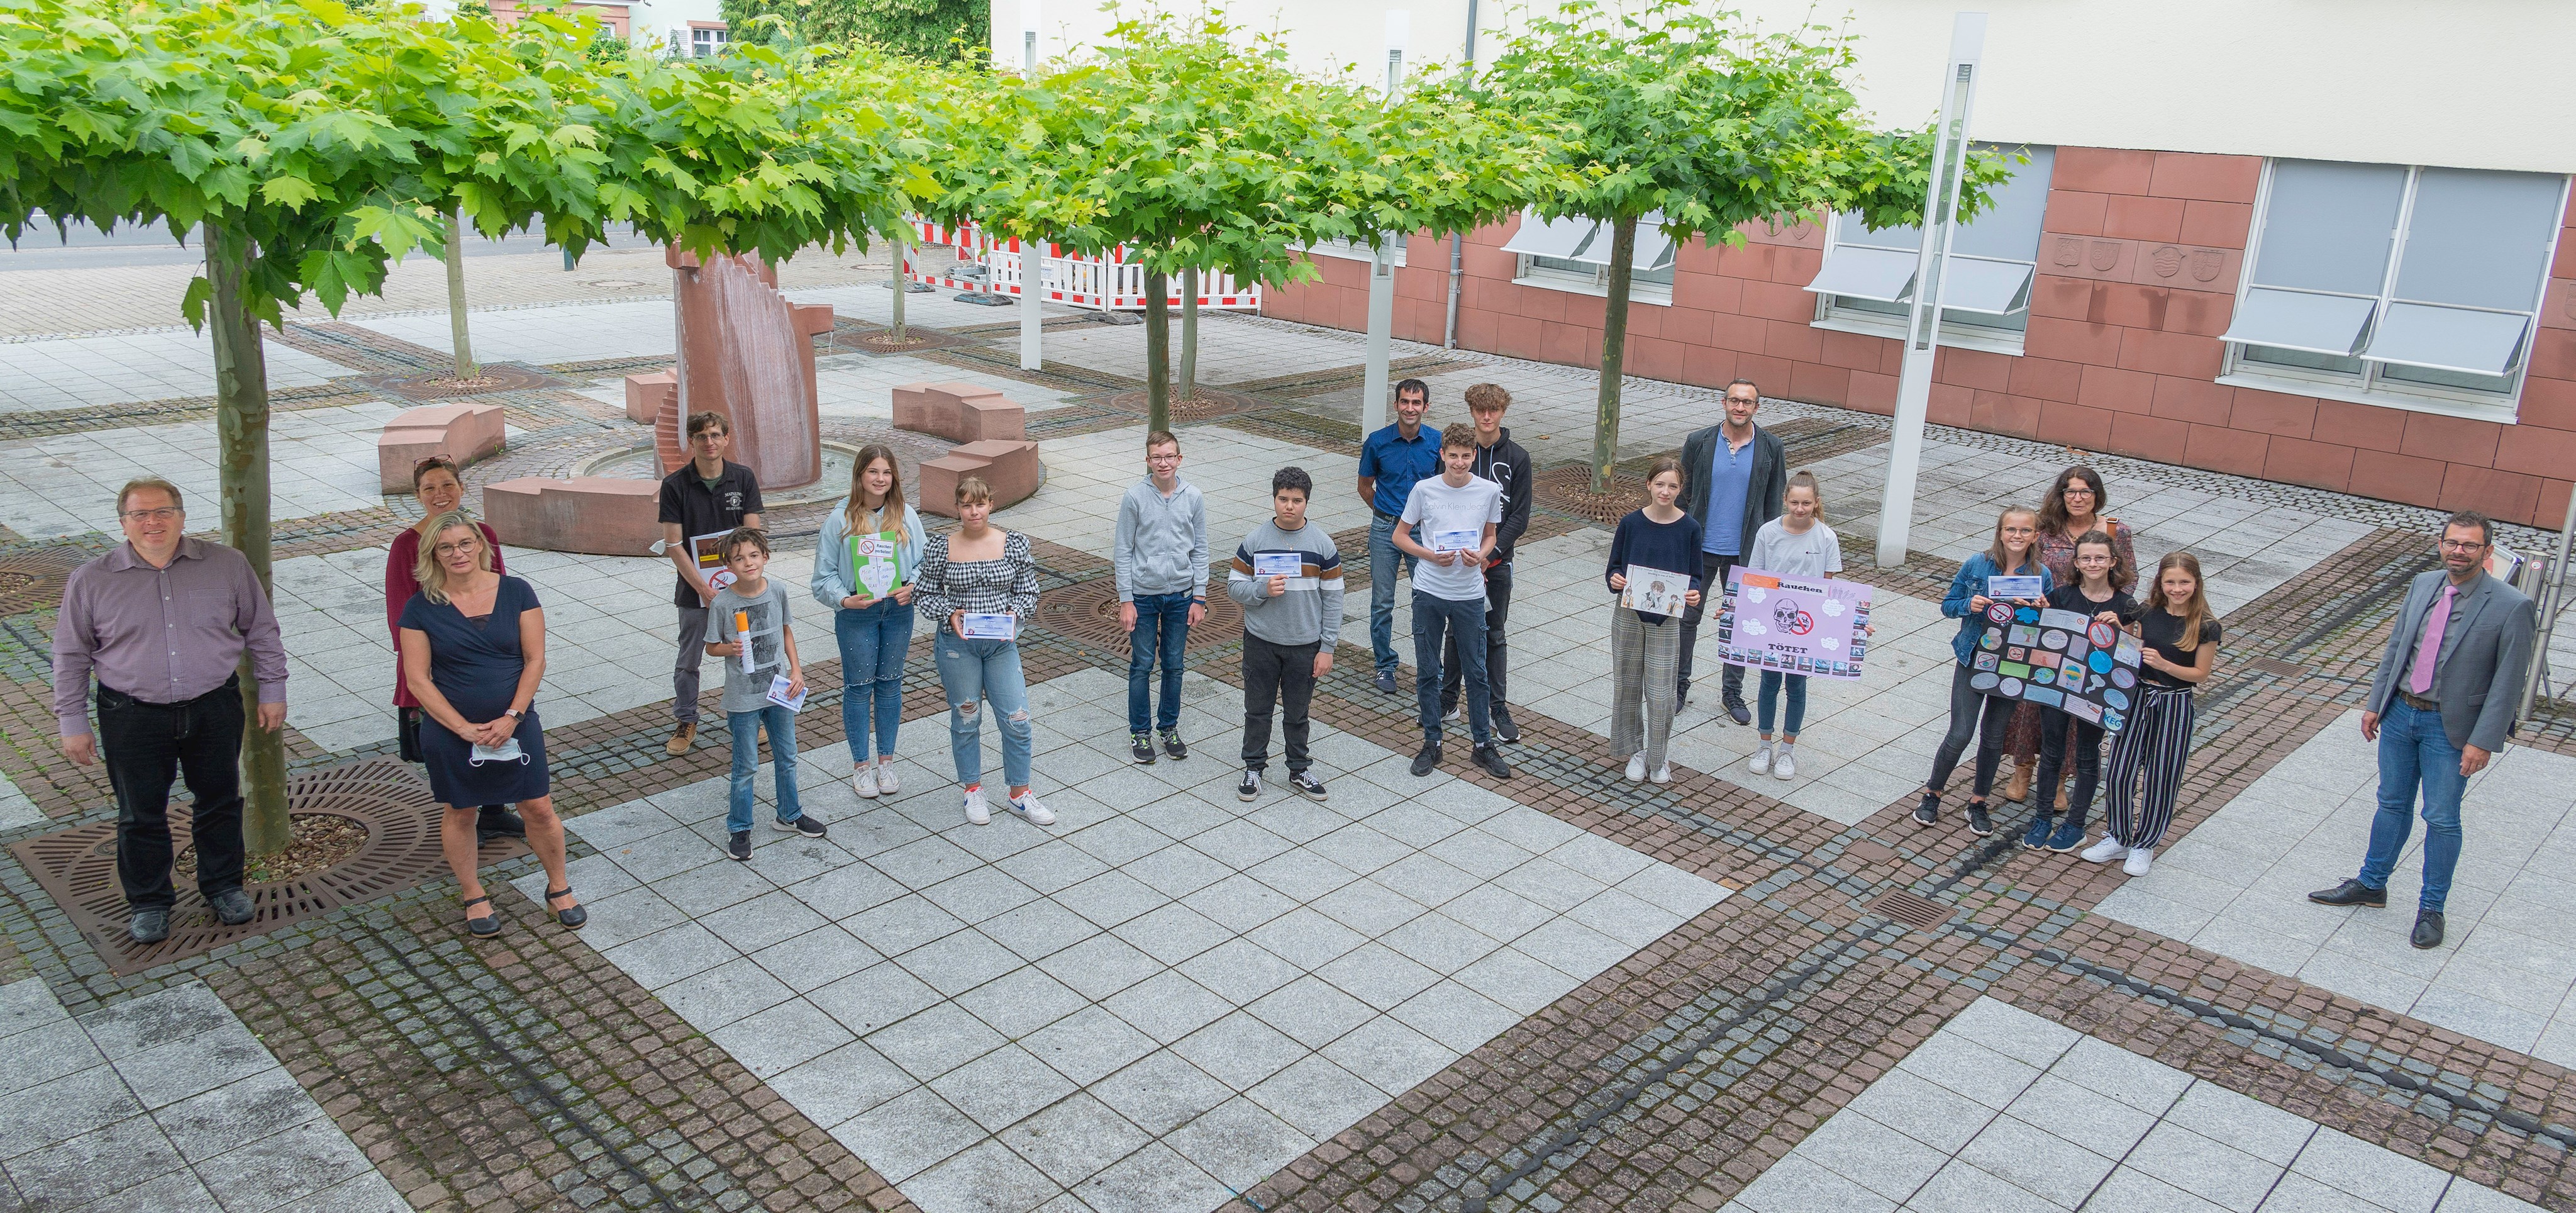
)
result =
(1559, 991)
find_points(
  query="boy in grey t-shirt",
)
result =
(1291, 621)
(752, 612)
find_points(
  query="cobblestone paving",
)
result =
(542, 1074)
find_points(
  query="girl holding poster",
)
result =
(1795, 544)
(863, 570)
(1657, 543)
(2095, 593)
(1974, 713)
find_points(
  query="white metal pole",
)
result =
(1923, 324)
(1033, 253)
(1381, 300)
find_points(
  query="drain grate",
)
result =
(494, 377)
(34, 578)
(1207, 405)
(77, 867)
(1913, 909)
(1567, 488)
(1088, 612)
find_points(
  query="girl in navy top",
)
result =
(1645, 649)
(1973, 712)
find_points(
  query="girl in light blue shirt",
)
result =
(875, 633)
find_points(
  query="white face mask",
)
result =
(507, 751)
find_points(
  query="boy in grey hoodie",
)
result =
(1291, 621)
(1161, 558)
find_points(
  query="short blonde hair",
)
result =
(432, 575)
(971, 490)
(141, 483)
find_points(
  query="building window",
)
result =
(2414, 287)
(1867, 283)
(1573, 254)
(1354, 250)
(704, 42)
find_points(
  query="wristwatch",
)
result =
(514, 714)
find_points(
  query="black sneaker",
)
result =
(1978, 823)
(232, 907)
(1428, 758)
(1681, 695)
(740, 846)
(1504, 730)
(806, 824)
(1307, 785)
(1386, 682)
(1739, 713)
(1142, 746)
(1172, 745)
(149, 926)
(1928, 813)
(1491, 759)
(1250, 788)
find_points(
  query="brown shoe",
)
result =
(2018, 787)
(2061, 792)
(681, 738)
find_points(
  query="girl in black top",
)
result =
(1645, 650)
(2179, 639)
(2094, 592)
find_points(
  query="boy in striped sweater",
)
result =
(1287, 577)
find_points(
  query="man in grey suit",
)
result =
(1734, 474)
(2440, 707)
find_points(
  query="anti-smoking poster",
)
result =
(2059, 659)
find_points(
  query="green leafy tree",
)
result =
(923, 29)
(310, 146)
(1677, 108)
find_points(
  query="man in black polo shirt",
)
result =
(709, 497)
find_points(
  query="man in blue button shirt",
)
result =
(1390, 462)
(1734, 474)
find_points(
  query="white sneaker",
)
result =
(1026, 805)
(1663, 774)
(976, 812)
(1783, 765)
(2104, 851)
(1761, 763)
(886, 785)
(1637, 768)
(863, 780)
(2140, 859)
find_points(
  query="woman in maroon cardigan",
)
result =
(435, 481)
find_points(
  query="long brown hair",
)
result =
(2052, 508)
(427, 570)
(889, 511)
(2194, 612)
(2102, 538)
(1995, 550)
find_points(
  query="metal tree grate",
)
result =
(1568, 488)
(1087, 612)
(77, 867)
(1207, 404)
(1913, 909)
(34, 578)
(491, 377)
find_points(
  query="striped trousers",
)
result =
(2158, 739)
(1645, 668)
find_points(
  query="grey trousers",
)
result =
(691, 659)
(1644, 674)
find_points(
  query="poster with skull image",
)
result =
(1818, 627)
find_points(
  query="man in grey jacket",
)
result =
(1734, 474)
(1161, 558)
(2440, 706)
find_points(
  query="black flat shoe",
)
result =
(2428, 929)
(1979, 823)
(2351, 893)
(1928, 813)
(573, 917)
(485, 927)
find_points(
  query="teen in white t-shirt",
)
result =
(1448, 525)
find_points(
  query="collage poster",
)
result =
(2084, 667)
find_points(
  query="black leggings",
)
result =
(1972, 714)
(2058, 734)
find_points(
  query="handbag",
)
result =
(407, 735)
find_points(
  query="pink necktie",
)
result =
(2419, 680)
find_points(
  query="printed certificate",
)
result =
(1458, 541)
(1004, 626)
(1278, 564)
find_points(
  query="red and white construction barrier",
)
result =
(1110, 283)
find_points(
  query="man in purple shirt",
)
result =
(163, 621)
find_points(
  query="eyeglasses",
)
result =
(450, 549)
(163, 514)
(2462, 545)
(2073, 489)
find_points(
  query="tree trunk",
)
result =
(1158, 352)
(902, 284)
(465, 367)
(1614, 352)
(1189, 334)
(241, 418)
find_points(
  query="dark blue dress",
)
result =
(477, 667)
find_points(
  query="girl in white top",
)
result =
(1797, 544)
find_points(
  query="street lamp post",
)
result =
(1381, 298)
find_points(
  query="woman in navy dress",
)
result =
(473, 650)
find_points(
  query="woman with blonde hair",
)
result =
(473, 651)
(983, 579)
(2178, 649)
(441, 489)
(874, 631)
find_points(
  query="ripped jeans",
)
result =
(989, 671)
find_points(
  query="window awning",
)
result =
(2296, 320)
(1862, 272)
(2448, 339)
(1994, 288)
(1654, 248)
(1550, 237)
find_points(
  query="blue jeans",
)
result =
(1771, 680)
(2413, 752)
(1465, 619)
(986, 670)
(745, 727)
(1383, 559)
(874, 640)
(1162, 629)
